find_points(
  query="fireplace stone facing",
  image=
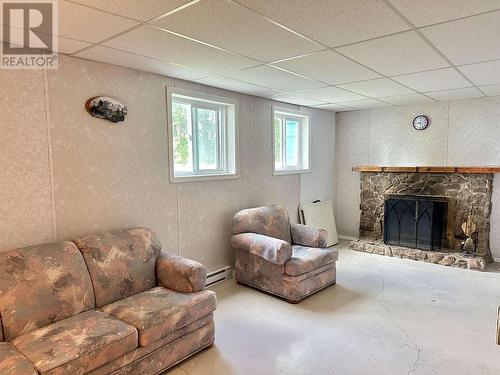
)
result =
(463, 190)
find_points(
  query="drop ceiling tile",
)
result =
(487, 73)
(332, 94)
(332, 23)
(396, 54)
(456, 94)
(129, 60)
(70, 46)
(491, 90)
(274, 78)
(237, 29)
(333, 107)
(468, 40)
(427, 12)
(378, 88)
(329, 67)
(434, 80)
(365, 104)
(152, 42)
(298, 98)
(87, 24)
(407, 99)
(238, 86)
(141, 10)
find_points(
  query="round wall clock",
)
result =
(421, 122)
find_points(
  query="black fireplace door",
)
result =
(414, 222)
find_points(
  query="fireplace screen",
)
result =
(417, 222)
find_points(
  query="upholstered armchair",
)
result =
(287, 260)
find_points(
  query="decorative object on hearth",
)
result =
(469, 227)
(421, 122)
(106, 108)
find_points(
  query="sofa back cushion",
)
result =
(121, 263)
(40, 285)
(272, 221)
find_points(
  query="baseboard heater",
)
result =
(222, 274)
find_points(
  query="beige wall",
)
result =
(465, 132)
(65, 174)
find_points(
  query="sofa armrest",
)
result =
(307, 235)
(270, 248)
(180, 274)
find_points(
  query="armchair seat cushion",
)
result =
(159, 311)
(78, 344)
(13, 363)
(307, 259)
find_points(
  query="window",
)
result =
(202, 135)
(291, 141)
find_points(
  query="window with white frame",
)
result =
(202, 136)
(290, 141)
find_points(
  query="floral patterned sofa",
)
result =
(111, 303)
(288, 260)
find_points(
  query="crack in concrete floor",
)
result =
(398, 327)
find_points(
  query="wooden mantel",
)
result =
(422, 169)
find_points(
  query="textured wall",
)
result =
(318, 184)
(66, 174)
(464, 132)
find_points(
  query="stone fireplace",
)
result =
(424, 213)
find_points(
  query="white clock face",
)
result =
(420, 122)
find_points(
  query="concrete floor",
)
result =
(384, 316)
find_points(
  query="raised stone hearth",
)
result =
(463, 190)
(445, 259)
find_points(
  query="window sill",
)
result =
(199, 178)
(290, 171)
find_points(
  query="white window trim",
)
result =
(205, 176)
(298, 113)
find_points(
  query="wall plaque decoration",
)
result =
(106, 108)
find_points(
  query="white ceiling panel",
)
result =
(140, 10)
(298, 98)
(235, 85)
(333, 107)
(237, 29)
(332, 22)
(332, 94)
(468, 40)
(427, 12)
(396, 54)
(69, 46)
(153, 42)
(90, 25)
(129, 60)
(456, 94)
(330, 67)
(491, 90)
(407, 99)
(378, 88)
(487, 73)
(434, 80)
(365, 104)
(274, 78)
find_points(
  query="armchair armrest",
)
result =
(309, 236)
(180, 274)
(270, 248)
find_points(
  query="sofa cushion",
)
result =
(121, 263)
(159, 311)
(13, 363)
(78, 344)
(306, 259)
(40, 285)
(272, 221)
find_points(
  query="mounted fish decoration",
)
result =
(106, 108)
